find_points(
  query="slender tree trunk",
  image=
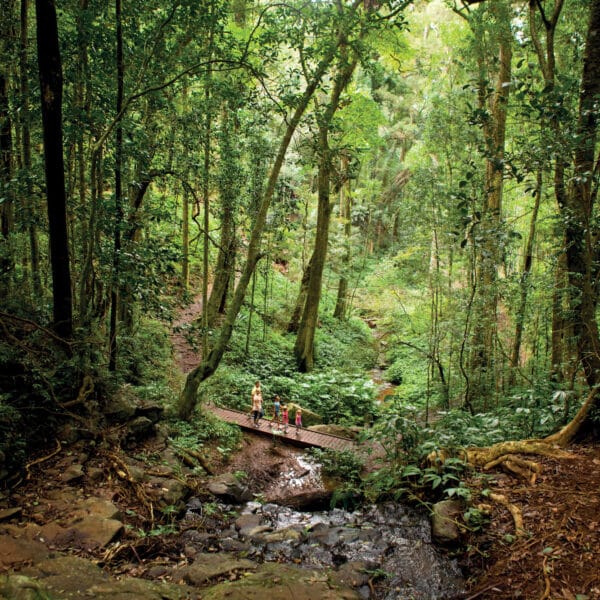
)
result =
(341, 303)
(51, 85)
(206, 186)
(304, 346)
(494, 129)
(28, 196)
(185, 241)
(229, 189)
(524, 282)
(119, 213)
(294, 323)
(7, 159)
(547, 63)
(7, 263)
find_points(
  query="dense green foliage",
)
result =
(452, 177)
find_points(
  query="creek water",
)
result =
(389, 543)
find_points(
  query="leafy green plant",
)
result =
(344, 465)
(204, 429)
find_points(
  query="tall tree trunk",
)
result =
(304, 346)
(341, 304)
(7, 263)
(229, 179)
(494, 130)
(294, 322)
(581, 231)
(25, 118)
(559, 339)
(51, 85)
(7, 259)
(119, 213)
(206, 141)
(524, 282)
(185, 241)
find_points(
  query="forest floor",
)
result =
(557, 556)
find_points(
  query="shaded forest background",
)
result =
(308, 170)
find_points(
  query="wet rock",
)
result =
(168, 492)
(153, 412)
(95, 473)
(444, 521)
(98, 507)
(73, 473)
(283, 535)
(255, 532)
(140, 428)
(232, 545)
(391, 538)
(121, 406)
(89, 532)
(229, 488)
(350, 433)
(308, 500)
(308, 416)
(137, 473)
(200, 540)
(9, 513)
(18, 587)
(16, 551)
(353, 574)
(211, 566)
(281, 582)
(74, 577)
(246, 522)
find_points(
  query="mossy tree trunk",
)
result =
(305, 338)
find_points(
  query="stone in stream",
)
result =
(208, 566)
(229, 488)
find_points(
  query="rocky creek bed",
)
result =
(382, 551)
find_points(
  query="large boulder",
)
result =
(17, 551)
(74, 577)
(121, 405)
(229, 488)
(308, 416)
(445, 519)
(350, 433)
(207, 567)
(282, 582)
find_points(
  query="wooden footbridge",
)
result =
(304, 437)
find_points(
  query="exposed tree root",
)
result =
(514, 510)
(42, 459)
(122, 472)
(504, 454)
(480, 457)
(546, 593)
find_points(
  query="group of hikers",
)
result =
(281, 418)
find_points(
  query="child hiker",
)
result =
(285, 419)
(277, 411)
(298, 420)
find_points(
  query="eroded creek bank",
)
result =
(74, 535)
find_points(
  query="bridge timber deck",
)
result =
(305, 437)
